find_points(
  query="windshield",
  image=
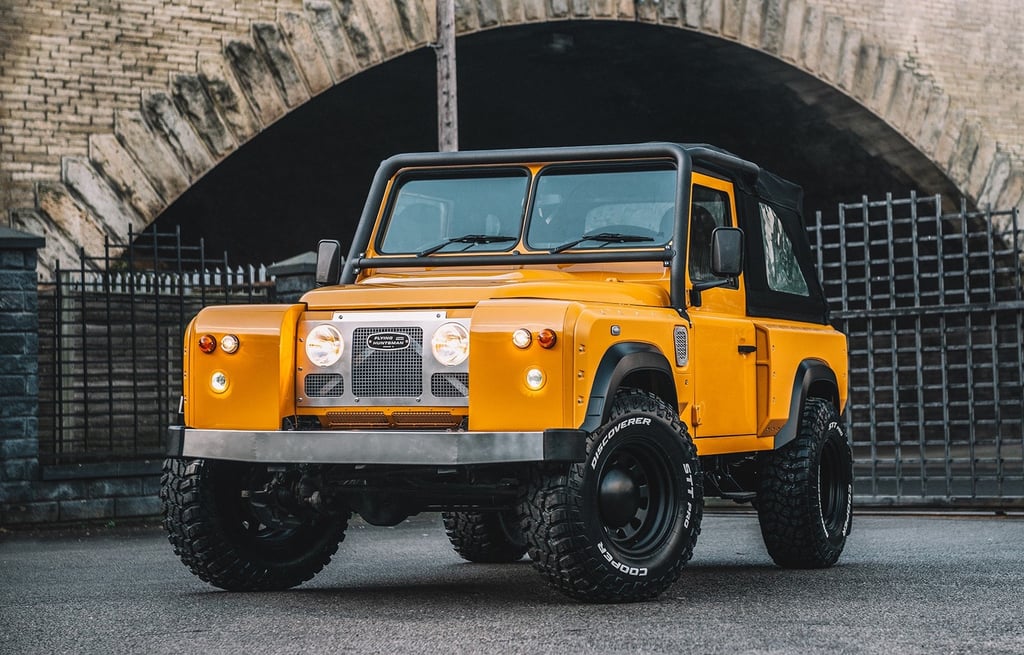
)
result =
(453, 214)
(574, 207)
(603, 209)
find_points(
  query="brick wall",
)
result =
(108, 111)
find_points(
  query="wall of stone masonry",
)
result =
(109, 111)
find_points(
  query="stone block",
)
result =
(866, 73)
(774, 26)
(416, 25)
(18, 491)
(162, 169)
(385, 22)
(361, 35)
(137, 506)
(17, 280)
(831, 49)
(167, 121)
(151, 485)
(556, 9)
(45, 512)
(15, 321)
(14, 344)
(13, 429)
(753, 23)
(512, 11)
(308, 56)
(80, 176)
(12, 386)
(25, 468)
(60, 248)
(256, 81)
(711, 16)
(327, 26)
(964, 154)
(981, 168)
(19, 406)
(60, 489)
(279, 60)
(12, 260)
(933, 121)
(849, 59)
(1012, 195)
(191, 99)
(534, 9)
(113, 487)
(995, 183)
(732, 18)
(692, 10)
(18, 448)
(124, 173)
(54, 200)
(82, 510)
(811, 37)
(222, 88)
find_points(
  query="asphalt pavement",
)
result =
(906, 584)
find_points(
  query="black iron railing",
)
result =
(932, 304)
(111, 341)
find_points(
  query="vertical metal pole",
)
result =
(85, 351)
(993, 331)
(965, 256)
(447, 85)
(894, 358)
(58, 348)
(134, 330)
(940, 258)
(107, 292)
(915, 272)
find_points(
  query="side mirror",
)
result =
(328, 262)
(727, 251)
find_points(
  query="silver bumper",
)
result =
(394, 447)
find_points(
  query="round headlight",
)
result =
(521, 338)
(324, 346)
(219, 382)
(535, 378)
(229, 343)
(450, 344)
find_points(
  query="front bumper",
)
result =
(392, 447)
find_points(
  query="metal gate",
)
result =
(110, 344)
(932, 305)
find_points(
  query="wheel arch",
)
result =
(628, 364)
(814, 379)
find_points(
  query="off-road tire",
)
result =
(804, 500)
(485, 537)
(620, 526)
(205, 516)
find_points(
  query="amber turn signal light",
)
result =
(547, 338)
(207, 343)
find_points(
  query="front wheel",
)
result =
(231, 525)
(804, 503)
(620, 526)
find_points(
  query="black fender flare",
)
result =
(814, 379)
(618, 362)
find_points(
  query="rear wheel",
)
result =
(486, 537)
(620, 526)
(232, 526)
(804, 502)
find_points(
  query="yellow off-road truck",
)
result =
(563, 350)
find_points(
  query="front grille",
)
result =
(387, 372)
(324, 385)
(449, 385)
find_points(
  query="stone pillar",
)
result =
(19, 372)
(293, 277)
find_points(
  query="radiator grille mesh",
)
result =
(387, 373)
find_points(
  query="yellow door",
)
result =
(722, 342)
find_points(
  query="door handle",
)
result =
(744, 349)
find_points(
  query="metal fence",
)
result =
(110, 344)
(932, 305)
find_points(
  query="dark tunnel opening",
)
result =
(573, 83)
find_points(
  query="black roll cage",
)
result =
(683, 155)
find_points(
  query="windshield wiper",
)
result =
(606, 237)
(472, 239)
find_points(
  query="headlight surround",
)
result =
(324, 345)
(450, 344)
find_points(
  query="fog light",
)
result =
(219, 382)
(535, 378)
(229, 343)
(522, 338)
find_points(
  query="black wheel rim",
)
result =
(833, 487)
(637, 498)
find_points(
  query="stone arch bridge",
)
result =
(111, 111)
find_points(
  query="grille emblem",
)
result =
(387, 341)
